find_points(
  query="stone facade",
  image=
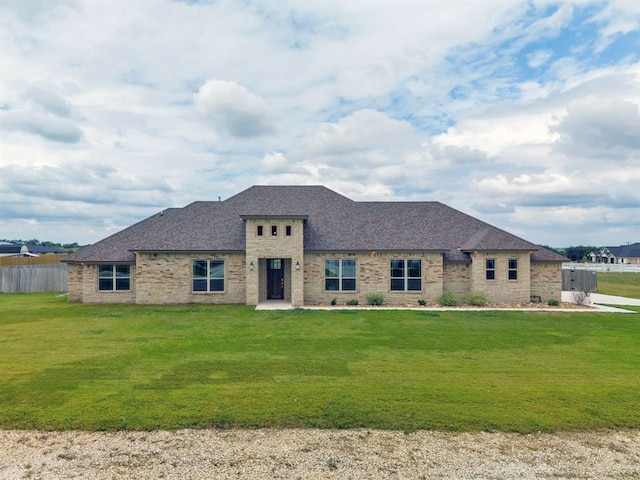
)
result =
(501, 289)
(546, 281)
(168, 278)
(83, 286)
(457, 278)
(161, 278)
(373, 276)
(75, 273)
(274, 238)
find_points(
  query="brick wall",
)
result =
(74, 282)
(546, 281)
(167, 278)
(91, 294)
(373, 276)
(501, 289)
(457, 278)
(281, 245)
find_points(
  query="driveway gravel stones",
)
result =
(305, 453)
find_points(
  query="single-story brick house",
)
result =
(308, 245)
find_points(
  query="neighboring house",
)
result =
(308, 245)
(9, 249)
(622, 254)
(14, 250)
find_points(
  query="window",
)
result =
(340, 275)
(513, 269)
(406, 275)
(274, 230)
(288, 230)
(114, 277)
(275, 264)
(491, 269)
(208, 275)
(259, 230)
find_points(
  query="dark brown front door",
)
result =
(275, 279)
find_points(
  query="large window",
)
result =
(406, 275)
(513, 269)
(114, 277)
(340, 275)
(208, 275)
(491, 269)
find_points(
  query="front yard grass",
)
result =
(618, 283)
(106, 367)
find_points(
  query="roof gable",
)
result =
(625, 251)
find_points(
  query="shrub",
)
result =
(375, 299)
(553, 303)
(334, 301)
(477, 299)
(448, 299)
(352, 302)
(422, 302)
(581, 298)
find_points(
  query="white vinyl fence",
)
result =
(34, 278)
(603, 267)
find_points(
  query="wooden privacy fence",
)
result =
(579, 280)
(34, 278)
(15, 261)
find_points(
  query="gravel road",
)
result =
(332, 454)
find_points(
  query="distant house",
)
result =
(16, 250)
(622, 254)
(310, 245)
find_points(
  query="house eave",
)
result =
(187, 251)
(274, 217)
(376, 250)
(99, 262)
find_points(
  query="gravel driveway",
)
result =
(303, 454)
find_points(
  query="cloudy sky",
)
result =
(524, 114)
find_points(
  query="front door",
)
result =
(275, 279)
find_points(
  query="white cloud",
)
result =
(274, 163)
(539, 58)
(508, 111)
(363, 131)
(49, 127)
(600, 127)
(234, 110)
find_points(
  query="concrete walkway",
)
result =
(274, 305)
(601, 301)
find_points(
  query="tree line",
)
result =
(575, 253)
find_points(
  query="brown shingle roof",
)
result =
(333, 223)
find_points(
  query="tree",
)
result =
(579, 253)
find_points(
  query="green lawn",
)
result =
(71, 366)
(623, 284)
